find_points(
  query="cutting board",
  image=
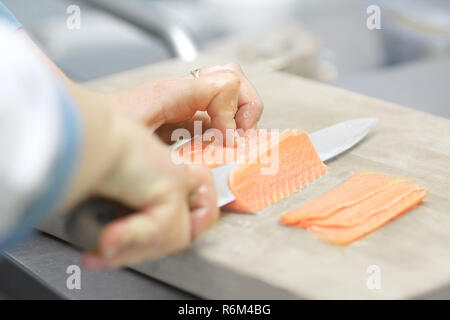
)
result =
(253, 256)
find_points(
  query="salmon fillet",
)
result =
(358, 213)
(360, 205)
(343, 236)
(357, 188)
(206, 153)
(270, 167)
(298, 165)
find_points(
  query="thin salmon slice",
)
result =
(360, 212)
(209, 154)
(344, 236)
(298, 165)
(261, 178)
(358, 187)
(212, 153)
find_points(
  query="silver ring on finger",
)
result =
(195, 73)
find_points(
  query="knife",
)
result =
(85, 222)
(328, 142)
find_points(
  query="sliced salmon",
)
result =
(298, 165)
(343, 236)
(360, 212)
(206, 150)
(209, 154)
(257, 181)
(357, 188)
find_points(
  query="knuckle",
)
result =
(231, 80)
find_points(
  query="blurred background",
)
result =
(405, 61)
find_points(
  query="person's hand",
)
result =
(223, 91)
(177, 203)
(120, 160)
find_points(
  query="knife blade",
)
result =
(328, 142)
(85, 223)
(332, 141)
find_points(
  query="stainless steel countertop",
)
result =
(47, 258)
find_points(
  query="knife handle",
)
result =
(85, 222)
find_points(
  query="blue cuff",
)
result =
(58, 180)
(6, 15)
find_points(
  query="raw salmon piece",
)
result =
(194, 152)
(203, 151)
(344, 236)
(357, 188)
(298, 165)
(358, 213)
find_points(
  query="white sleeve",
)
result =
(33, 122)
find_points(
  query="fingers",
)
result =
(223, 107)
(143, 173)
(203, 202)
(216, 93)
(151, 234)
(165, 101)
(165, 131)
(248, 115)
(223, 91)
(250, 105)
(169, 225)
(120, 242)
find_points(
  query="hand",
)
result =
(222, 91)
(177, 204)
(120, 160)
